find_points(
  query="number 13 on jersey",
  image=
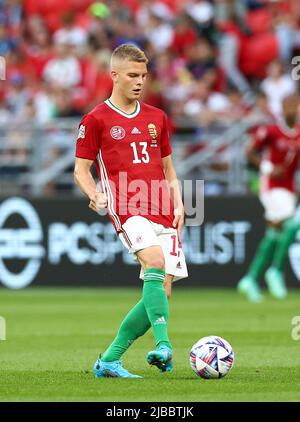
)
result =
(140, 151)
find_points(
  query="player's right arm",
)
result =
(85, 181)
(87, 148)
(259, 142)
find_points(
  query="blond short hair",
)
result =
(129, 52)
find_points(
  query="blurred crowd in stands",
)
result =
(210, 61)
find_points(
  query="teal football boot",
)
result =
(249, 287)
(111, 370)
(162, 358)
(276, 284)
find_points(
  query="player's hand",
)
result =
(98, 201)
(179, 221)
(277, 172)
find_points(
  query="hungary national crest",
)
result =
(152, 130)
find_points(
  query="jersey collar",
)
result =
(128, 115)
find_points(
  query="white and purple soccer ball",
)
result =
(211, 357)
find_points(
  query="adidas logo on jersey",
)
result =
(135, 131)
(160, 320)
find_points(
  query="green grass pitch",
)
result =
(55, 335)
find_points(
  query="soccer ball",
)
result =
(211, 357)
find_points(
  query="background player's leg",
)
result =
(249, 284)
(286, 238)
(264, 253)
(283, 206)
(274, 275)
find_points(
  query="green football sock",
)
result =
(134, 325)
(157, 305)
(264, 253)
(286, 238)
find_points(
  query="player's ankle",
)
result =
(164, 344)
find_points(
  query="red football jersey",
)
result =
(127, 150)
(281, 146)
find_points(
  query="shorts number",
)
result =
(145, 156)
(174, 247)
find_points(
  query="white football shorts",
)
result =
(143, 233)
(279, 204)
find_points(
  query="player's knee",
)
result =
(156, 262)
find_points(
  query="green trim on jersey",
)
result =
(128, 115)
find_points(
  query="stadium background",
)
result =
(218, 68)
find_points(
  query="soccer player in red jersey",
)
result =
(275, 150)
(129, 143)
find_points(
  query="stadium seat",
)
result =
(256, 53)
(259, 21)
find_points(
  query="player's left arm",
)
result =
(175, 191)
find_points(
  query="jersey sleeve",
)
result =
(165, 146)
(88, 140)
(261, 137)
